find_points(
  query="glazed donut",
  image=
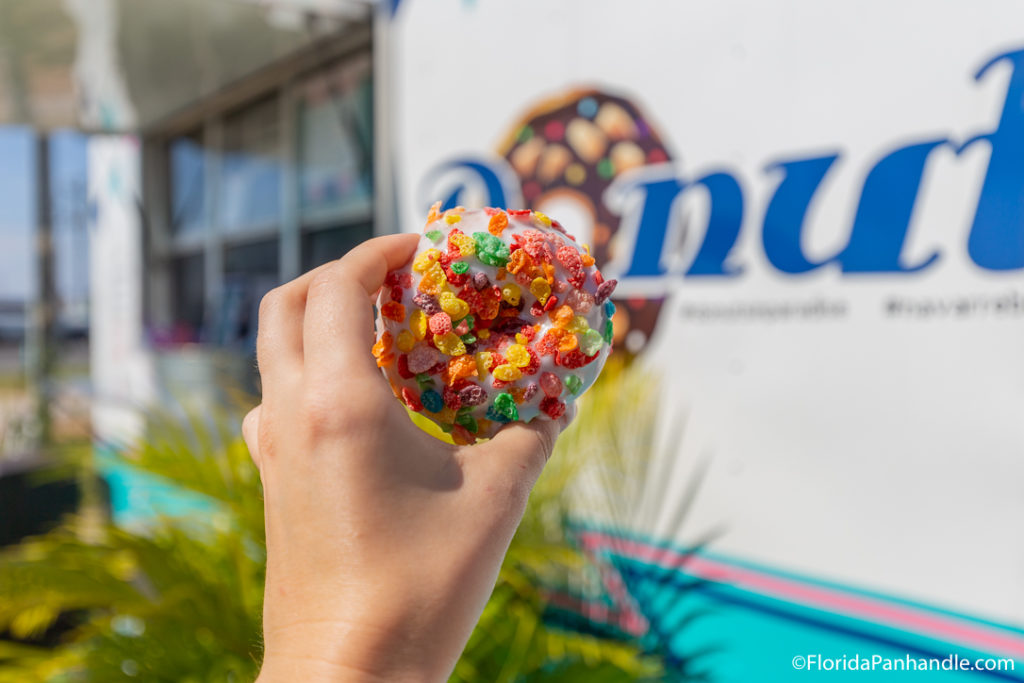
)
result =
(501, 316)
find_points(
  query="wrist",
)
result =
(343, 652)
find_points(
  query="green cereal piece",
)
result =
(504, 408)
(425, 381)
(490, 249)
(433, 235)
(573, 383)
(591, 342)
(608, 332)
(468, 338)
(460, 267)
(467, 421)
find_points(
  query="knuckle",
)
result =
(323, 282)
(272, 302)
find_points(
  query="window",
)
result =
(250, 174)
(187, 184)
(335, 121)
(231, 236)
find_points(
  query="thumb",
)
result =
(250, 433)
(521, 449)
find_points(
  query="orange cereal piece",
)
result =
(393, 310)
(435, 213)
(383, 345)
(568, 343)
(433, 280)
(585, 257)
(498, 222)
(461, 367)
(518, 261)
(562, 316)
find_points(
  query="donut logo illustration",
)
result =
(559, 158)
(566, 152)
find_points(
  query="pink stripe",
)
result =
(829, 600)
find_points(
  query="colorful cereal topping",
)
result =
(501, 316)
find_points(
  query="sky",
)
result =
(17, 213)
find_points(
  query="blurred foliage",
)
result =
(179, 598)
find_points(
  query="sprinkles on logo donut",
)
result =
(501, 316)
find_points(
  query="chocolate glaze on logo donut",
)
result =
(568, 150)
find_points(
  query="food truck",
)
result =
(815, 214)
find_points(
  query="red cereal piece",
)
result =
(552, 407)
(451, 398)
(536, 310)
(440, 323)
(391, 279)
(411, 399)
(528, 332)
(534, 365)
(403, 367)
(598, 279)
(569, 258)
(519, 212)
(550, 304)
(489, 304)
(573, 359)
(405, 280)
(396, 293)
(456, 279)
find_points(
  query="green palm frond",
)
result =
(179, 598)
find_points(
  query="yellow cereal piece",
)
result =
(433, 280)
(510, 292)
(425, 259)
(507, 373)
(452, 218)
(484, 361)
(521, 338)
(418, 324)
(446, 415)
(454, 306)
(464, 242)
(540, 289)
(579, 325)
(483, 334)
(449, 344)
(542, 219)
(517, 355)
(405, 340)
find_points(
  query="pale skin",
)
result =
(383, 543)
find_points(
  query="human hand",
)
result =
(383, 543)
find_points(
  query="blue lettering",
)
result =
(784, 218)
(883, 214)
(724, 223)
(996, 241)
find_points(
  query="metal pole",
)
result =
(39, 338)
